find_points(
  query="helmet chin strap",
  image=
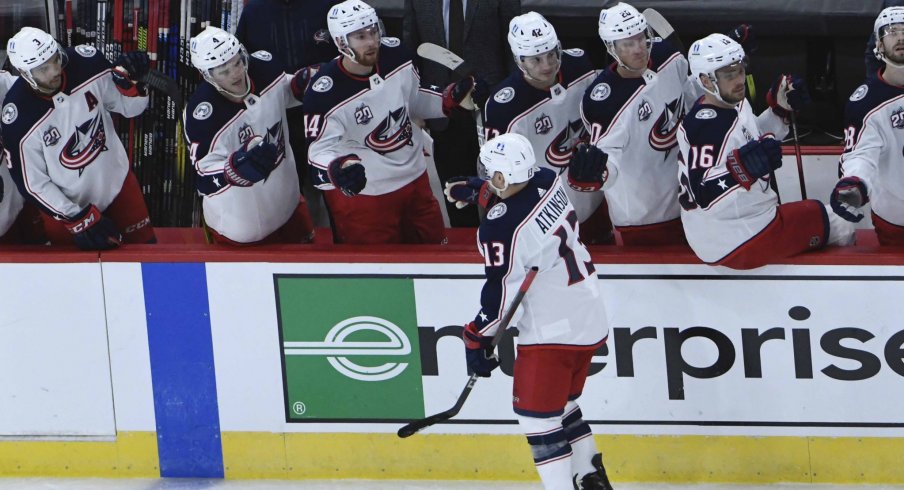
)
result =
(715, 93)
(498, 190)
(881, 57)
(221, 89)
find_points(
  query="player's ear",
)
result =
(707, 83)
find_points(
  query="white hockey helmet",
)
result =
(347, 17)
(531, 35)
(621, 22)
(30, 48)
(711, 53)
(511, 155)
(212, 48)
(887, 17)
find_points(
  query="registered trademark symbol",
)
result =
(298, 408)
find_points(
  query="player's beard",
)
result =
(368, 58)
(895, 54)
(51, 85)
(735, 96)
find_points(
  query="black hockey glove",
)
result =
(467, 190)
(457, 94)
(302, 79)
(746, 37)
(848, 195)
(249, 165)
(788, 93)
(128, 72)
(348, 175)
(479, 352)
(92, 230)
(587, 168)
(481, 93)
(754, 160)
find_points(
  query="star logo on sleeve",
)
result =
(483, 316)
(722, 185)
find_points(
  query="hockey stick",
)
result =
(460, 67)
(800, 163)
(415, 426)
(663, 28)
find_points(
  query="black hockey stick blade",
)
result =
(662, 28)
(443, 56)
(166, 85)
(413, 427)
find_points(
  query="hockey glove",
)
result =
(348, 175)
(788, 93)
(848, 195)
(128, 69)
(467, 190)
(251, 163)
(481, 93)
(302, 79)
(479, 352)
(587, 168)
(92, 230)
(754, 160)
(745, 36)
(457, 94)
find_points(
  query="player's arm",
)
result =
(299, 83)
(333, 166)
(121, 90)
(787, 95)
(863, 144)
(604, 133)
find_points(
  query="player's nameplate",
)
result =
(557, 93)
(376, 81)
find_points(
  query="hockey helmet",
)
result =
(212, 48)
(622, 22)
(511, 155)
(30, 48)
(888, 17)
(711, 53)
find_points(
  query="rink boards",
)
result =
(305, 368)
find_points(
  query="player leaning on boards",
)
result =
(540, 101)
(236, 125)
(871, 168)
(632, 111)
(365, 152)
(530, 222)
(64, 153)
(730, 214)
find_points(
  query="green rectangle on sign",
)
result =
(349, 348)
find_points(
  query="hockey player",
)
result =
(540, 101)
(364, 151)
(632, 110)
(531, 222)
(236, 124)
(62, 145)
(20, 221)
(730, 213)
(871, 165)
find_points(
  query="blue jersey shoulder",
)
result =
(707, 125)
(263, 69)
(22, 108)
(330, 87)
(866, 98)
(85, 62)
(503, 218)
(575, 65)
(511, 97)
(607, 95)
(661, 52)
(392, 55)
(206, 113)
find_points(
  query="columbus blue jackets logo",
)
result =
(276, 137)
(85, 144)
(322, 37)
(559, 152)
(393, 133)
(664, 133)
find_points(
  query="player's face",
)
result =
(732, 81)
(231, 76)
(893, 42)
(365, 43)
(634, 52)
(49, 75)
(543, 67)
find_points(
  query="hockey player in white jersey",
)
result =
(730, 213)
(632, 111)
(62, 146)
(531, 222)
(236, 125)
(872, 168)
(540, 100)
(364, 150)
(20, 221)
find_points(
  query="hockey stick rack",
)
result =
(413, 427)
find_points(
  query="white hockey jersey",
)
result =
(873, 139)
(548, 118)
(64, 151)
(216, 127)
(11, 200)
(717, 213)
(635, 121)
(538, 227)
(370, 116)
